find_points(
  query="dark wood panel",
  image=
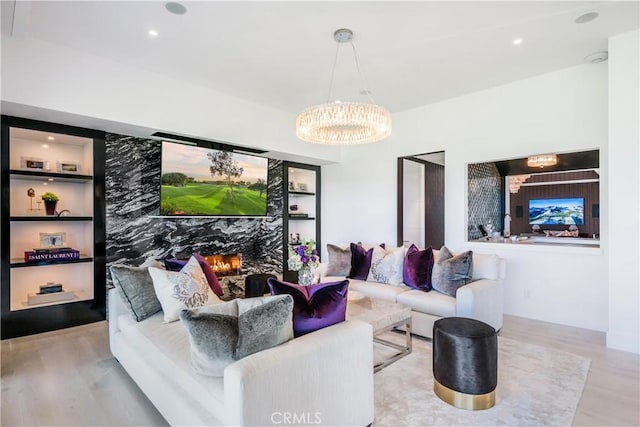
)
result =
(589, 191)
(434, 205)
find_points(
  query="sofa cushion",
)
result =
(486, 266)
(452, 272)
(339, 260)
(174, 264)
(187, 288)
(386, 265)
(218, 337)
(378, 290)
(417, 269)
(315, 306)
(360, 262)
(433, 303)
(136, 290)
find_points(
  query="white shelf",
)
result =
(79, 296)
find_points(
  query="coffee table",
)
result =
(383, 316)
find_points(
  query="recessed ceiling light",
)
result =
(50, 138)
(153, 33)
(175, 8)
(50, 179)
(45, 146)
(517, 41)
(596, 57)
(587, 17)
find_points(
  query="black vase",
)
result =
(50, 207)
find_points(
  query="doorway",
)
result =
(421, 200)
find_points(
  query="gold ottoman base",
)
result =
(472, 402)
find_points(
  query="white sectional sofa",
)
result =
(322, 378)
(482, 299)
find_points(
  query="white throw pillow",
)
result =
(386, 265)
(177, 290)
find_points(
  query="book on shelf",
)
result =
(298, 215)
(32, 256)
(52, 250)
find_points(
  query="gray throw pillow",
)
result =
(452, 272)
(136, 289)
(339, 260)
(223, 333)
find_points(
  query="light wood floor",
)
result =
(69, 377)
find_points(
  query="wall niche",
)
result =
(507, 194)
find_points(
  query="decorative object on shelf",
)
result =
(542, 160)
(292, 186)
(64, 212)
(50, 288)
(344, 123)
(298, 215)
(60, 255)
(31, 193)
(303, 259)
(294, 239)
(50, 201)
(34, 164)
(53, 240)
(34, 299)
(302, 186)
(535, 228)
(68, 166)
(293, 208)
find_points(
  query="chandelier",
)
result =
(516, 181)
(542, 160)
(344, 123)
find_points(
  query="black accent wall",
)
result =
(133, 199)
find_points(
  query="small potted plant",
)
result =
(50, 201)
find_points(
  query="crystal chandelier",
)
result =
(344, 123)
(542, 160)
(516, 181)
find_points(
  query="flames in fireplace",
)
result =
(225, 265)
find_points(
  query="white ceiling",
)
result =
(280, 53)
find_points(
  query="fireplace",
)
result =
(225, 265)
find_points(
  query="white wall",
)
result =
(556, 112)
(624, 135)
(52, 77)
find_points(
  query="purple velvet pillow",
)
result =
(418, 265)
(360, 262)
(212, 279)
(314, 306)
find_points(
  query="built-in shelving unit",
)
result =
(39, 157)
(302, 197)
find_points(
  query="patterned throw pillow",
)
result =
(452, 272)
(314, 306)
(174, 264)
(418, 266)
(386, 265)
(226, 332)
(187, 288)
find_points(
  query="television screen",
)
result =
(198, 181)
(568, 211)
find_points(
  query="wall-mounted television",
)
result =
(566, 211)
(199, 181)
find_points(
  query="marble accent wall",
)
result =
(134, 234)
(485, 198)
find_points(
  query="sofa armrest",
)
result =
(117, 307)
(482, 300)
(323, 378)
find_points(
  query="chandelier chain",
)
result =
(363, 81)
(333, 71)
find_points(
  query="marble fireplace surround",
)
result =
(135, 232)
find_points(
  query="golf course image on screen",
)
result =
(198, 181)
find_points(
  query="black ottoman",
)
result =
(465, 362)
(255, 285)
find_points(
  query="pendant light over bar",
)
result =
(344, 123)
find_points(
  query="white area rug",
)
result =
(536, 387)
